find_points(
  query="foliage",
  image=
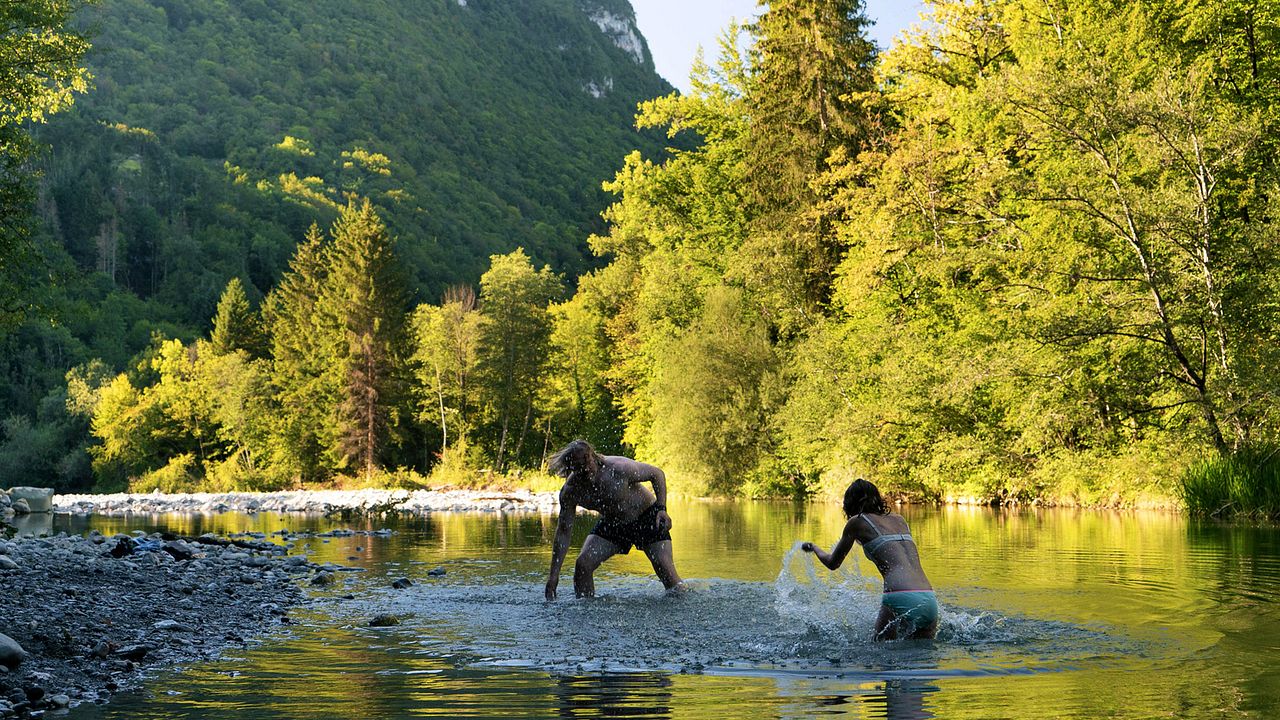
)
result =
(446, 343)
(363, 297)
(718, 386)
(1244, 482)
(1026, 255)
(235, 325)
(40, 74)
(514, 341)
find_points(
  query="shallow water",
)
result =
(1045, 614)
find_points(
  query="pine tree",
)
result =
(365, 298)
(236, 326)
(812, 73)
(303, 349)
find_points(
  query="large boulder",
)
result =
(11, 653)
(39, 500)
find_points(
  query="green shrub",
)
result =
(1244, 482)
(178, 476)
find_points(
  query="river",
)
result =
(1046, 613)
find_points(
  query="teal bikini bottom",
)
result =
(913, 609)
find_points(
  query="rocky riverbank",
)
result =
(82, 618)
(327, 502)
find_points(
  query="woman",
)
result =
(908, 608)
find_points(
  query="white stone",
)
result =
(40, 500)
(621, 32)
(598, 91)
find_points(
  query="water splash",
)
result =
(844, 600)
(808, 622)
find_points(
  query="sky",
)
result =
(675, 28)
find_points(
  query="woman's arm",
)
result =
(838, 553)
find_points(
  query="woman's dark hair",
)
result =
(864, 497)
(572, 458)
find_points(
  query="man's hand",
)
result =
(663, 520)
(550, 591)
(807, 547)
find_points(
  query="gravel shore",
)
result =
(82, 618)
(327, 502)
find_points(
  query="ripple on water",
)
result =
(802, 623)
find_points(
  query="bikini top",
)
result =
(874, 543)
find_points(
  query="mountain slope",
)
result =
(219, 129)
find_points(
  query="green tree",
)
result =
(236, 326)
(365, 299)
(304, 349)
(714, 398)
(812, 77)
(514, 337)
(446, 339)
(577, 399)
(40, 74)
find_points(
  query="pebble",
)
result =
(6, 563)
(401, 583)
(323, 579)
(329, 502)
(11, 653)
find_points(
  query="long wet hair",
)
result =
(864, 497)
(571, 460)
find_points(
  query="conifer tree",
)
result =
(812, 73)
(364, 298)
(302, 351)
(236, 326)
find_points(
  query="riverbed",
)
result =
(1046, 613)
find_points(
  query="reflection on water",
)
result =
(1045, 614)
(614, 695)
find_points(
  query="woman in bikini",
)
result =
(908, 608)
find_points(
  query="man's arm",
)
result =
(658, 479)
(560, 544)
(836, 557)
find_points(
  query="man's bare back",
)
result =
(630, 514)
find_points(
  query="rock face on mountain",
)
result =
(218, 130)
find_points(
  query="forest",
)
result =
(1027, 254)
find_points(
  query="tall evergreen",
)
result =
(236, 326)
(364, 296)
(812, 75)
(302, 350)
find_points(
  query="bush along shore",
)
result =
(1245, 483)
(85, 617)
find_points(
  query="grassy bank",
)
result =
(1243, 483)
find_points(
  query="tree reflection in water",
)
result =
(614, 695)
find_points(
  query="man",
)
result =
(630, 514)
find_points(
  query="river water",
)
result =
(1046, 613)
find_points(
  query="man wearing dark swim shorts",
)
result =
(630, 514)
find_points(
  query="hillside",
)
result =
(219, 129)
